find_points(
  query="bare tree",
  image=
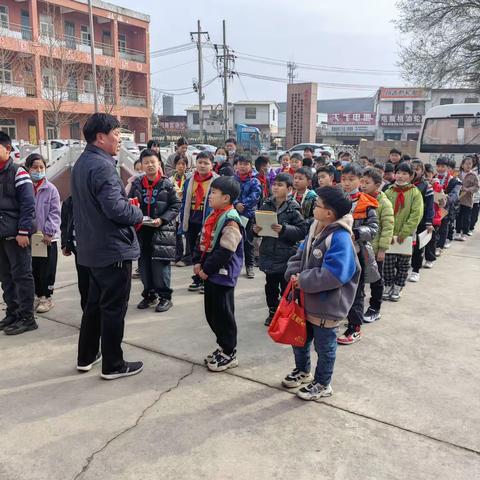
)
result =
(156, 97)
(442, 46)
(106, 89)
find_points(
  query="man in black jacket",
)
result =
(106, 244)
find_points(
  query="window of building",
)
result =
(398, 108)
(69, 34)
(471, 100)
(75, 131)
(4, 16)
(46, 26)
(446, 101)
(88, 83)
(392, 136)
(196, 118)
(6, 74)
(25, 21)
(273, 114)
(49, 80)
(122, 42)
(8, 126)
(418, 108)
(412, 136)
(250, 113)
(50, 132)
(85, 35)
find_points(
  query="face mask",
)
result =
(401, 184)
(220, 158)
(232, 151)
(37, 176)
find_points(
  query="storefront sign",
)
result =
(401, 120)
(355, 118)
(404, 94)
(351, 130)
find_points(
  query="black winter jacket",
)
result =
(102, 214)
(275, 252)
(160, 243)
(67, 228)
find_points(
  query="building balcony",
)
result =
(133, 100)
(78, 44)
(19, 32)
(18, 89)
(132, 55)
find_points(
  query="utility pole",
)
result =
(92, 52)
(199, 34)
(291, 67)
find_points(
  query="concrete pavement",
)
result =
(405, 401)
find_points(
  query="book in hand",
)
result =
(39, 249)
(404, 248)
(148, 222)
(265, 219)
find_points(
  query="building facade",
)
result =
(262, 115)
(212, 119)
(301, 113)
(46, 76)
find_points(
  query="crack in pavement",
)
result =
(91, 457)
(281, 389)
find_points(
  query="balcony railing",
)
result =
(75, 43)
(17, 89)
(77, 95)
(133, 100)
(13, 30)
(133, 55)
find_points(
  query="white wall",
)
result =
(264, 115)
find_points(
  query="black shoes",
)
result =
(21, 325)
(128, 369)
(269, 319)
(164, 304)
(7, 321)
(147, 303)
(86, 368)
(196, 284)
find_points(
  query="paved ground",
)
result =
(405, 404)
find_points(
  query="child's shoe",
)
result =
(387, 292)
(462, 238)
(438, 252)
(414, 277)
(212, 355)
(396, 293)
(250, 272)
(314, 391)
(196, 285)
(147, 302)
(269, 319)
(45, 305)
(428, 265)
(222, 362)
(164, 304)
(351, 335)
(448, 244)
(297, 378)
(371, 315)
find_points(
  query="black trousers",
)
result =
(194, 230)
(376, 290)
(431, 246)
(442, 233)
(83, 277)
(417, 254)
(463, 219)
(44, 271)
(16, 278)
(274, 287)
(248, 246)
(104, 315)
(355, 315)
(474, 216)
(220, 312)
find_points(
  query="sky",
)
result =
(350, 34)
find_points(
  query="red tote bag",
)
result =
(289, 325)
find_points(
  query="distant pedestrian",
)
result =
(106, 244)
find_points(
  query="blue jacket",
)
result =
(251, 191)
(103, 216)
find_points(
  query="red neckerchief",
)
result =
(299, 197)
(200, 192)
(146, 184)
(374, 194)
(263, 180)
(209, 228)
(400, 200)
(179, 179)
(289, 170)
(217, 167)
(444, 179)
(355, 196)
(244, 178)
(38, 185)
(3, 165)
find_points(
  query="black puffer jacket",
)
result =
(275, 252)
(165, 204)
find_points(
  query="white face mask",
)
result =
(401, 184)
(220, 158)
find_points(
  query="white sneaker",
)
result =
(438, 252)
(314, 391)
(297, 378)
(458, 237)
(414, 277)
(462, 238)
(45, 305)
(428, 265)
(448, 244)
(396, 293)
(387, 292)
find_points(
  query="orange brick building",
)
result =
(46, 77)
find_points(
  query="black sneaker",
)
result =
(164, 304)
(22, 325)
(147, 303)
(129, 369)
(210, 357)
(222, 362)
(86, 368)
(196, 285)
(7, 321)
(269, 319)
(250, 272)
(371, 315)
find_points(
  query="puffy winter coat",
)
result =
(386, 222)
(409, 216)
(275, 252)
(164, 204)
(250, 192)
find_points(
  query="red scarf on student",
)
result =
(400, 200)
(244, 178)
(179, 180)
(263, 180)
(289, 170)
(149, 187)
(355, 196)
(209, 228)
(38, 185)
(200, 191)
(3, 165)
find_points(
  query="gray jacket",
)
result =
(328, 270)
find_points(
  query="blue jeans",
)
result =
(325, 343)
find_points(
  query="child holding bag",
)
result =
(327, 269)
